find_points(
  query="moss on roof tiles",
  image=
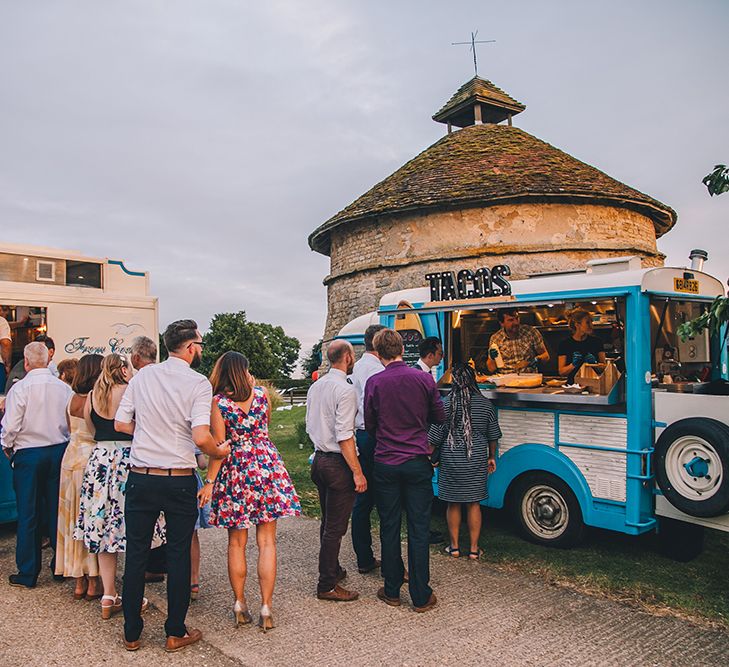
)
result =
(485, 165)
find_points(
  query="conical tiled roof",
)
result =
(485, 165)
(497, 105)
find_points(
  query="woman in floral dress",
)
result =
(72, 557)
(251, 487)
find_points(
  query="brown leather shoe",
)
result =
(176, 643)
(131, 646)
(375, 565)
(338, 594)
(393, 602)
(432, 601)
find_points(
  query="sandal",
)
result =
(194, 591)
(454, 552)
(475, 555)
(108, 610)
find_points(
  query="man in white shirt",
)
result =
(431, 353)
(6, 347)
(167, 408)
(368, 365)
(34, 437)
(331, 406)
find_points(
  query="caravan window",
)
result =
(83, 274)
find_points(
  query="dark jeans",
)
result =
(364, 502)
(406, 486)
(36, 475)
(146, 497)
(157, 562)
(334, 480)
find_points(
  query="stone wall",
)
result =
(389, 253)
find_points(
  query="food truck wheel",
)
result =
(691, 463)
(547, 511)
(679, 540)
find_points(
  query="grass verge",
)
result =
(607, 564)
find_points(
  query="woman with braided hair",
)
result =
(467, 442)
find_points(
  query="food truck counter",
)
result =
(506, 395)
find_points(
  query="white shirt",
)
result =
(367, 366)
(423, 366)
(53, 368)
(166, 401)
(5, 330)
(35, 412)
(331, 406)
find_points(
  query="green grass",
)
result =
(607, 563)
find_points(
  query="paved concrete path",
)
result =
(484, 617)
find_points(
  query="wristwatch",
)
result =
(209, 481)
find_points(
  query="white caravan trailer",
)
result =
(85, 304)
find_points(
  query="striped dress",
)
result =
(460, 479)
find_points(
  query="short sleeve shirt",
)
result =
(525, 347)
(589, 348)
(4, 329)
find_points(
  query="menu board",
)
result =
(411, 343)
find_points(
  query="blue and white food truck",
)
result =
(638, 446)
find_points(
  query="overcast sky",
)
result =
(204, 140)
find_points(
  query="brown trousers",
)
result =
(334, 480)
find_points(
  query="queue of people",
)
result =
(112, 457)
(110, 460)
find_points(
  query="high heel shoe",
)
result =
(241, 614)
(265, 620)
(108, 610)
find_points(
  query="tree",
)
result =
(717, 182)
(312, 361)
(163, 353)
(271, 353)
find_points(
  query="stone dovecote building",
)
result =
(486, 194)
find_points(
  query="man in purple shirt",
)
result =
(400, 403)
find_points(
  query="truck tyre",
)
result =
(680, 541)
(547, 511)
(691, 463)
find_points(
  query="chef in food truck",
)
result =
(582, 347)
(516, 346)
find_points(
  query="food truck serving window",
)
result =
(470, 333)
(674, 360)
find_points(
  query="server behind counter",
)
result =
(582, 347)
(516, 346)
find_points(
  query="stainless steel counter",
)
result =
(548, 395)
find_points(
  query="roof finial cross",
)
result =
(472, 44)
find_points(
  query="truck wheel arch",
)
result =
(527, 459)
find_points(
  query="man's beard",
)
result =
(196, 360)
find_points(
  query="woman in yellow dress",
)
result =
(72, 556)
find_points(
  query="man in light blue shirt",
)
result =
(34, 437)
(367, 366)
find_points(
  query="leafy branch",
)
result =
(713, 319)
(717, 182)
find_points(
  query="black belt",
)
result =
(321, 453)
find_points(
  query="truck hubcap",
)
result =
(545, 511)
(693, 467)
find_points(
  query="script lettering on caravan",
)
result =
(467, 284)
(79, 345)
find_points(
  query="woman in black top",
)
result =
(581, 347)
(467, 442)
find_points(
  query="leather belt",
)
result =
(166, 472)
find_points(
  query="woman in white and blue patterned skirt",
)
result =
(467, 449)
